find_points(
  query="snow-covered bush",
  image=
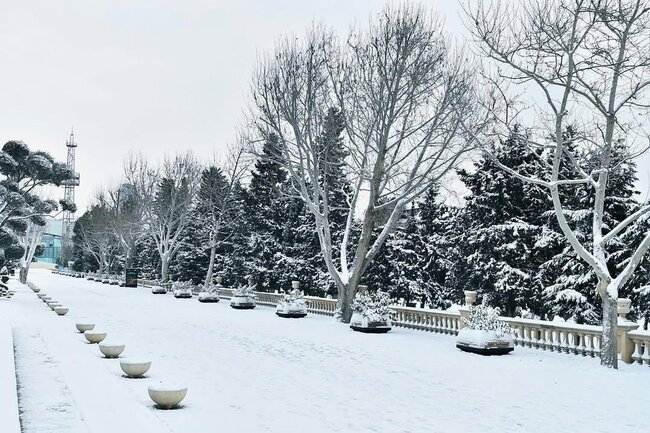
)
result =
(182, 285)
(292, 303)
(244, 292)
(374, 307)
(484, 318)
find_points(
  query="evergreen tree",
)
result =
(500, 226)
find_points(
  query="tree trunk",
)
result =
(24, 269)
(164, 260)
(208, 275)
(346, 295)
(608, 350)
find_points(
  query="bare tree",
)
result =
(589, 61)
(402, 91)
(169, 195)
(218, 207)
(29, 240)
(93, 234)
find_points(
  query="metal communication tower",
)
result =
(69, 186)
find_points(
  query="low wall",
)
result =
(9, 419)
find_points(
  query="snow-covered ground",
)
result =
(250, 371)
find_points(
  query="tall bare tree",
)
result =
(589, 63)
(402, 90)
(169, 195)
(218, 206)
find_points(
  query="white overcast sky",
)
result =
(155, 76)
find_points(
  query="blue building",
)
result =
(51, 242)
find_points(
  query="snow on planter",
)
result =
(94, 337)
(134, 368)
(293, 304)
(182, 289)
(243, 298)
(84, 326)
(167, 396)
(158, 290)
(484, 333)
(111, 350)
(371, 312)
(211, 293)
(61, 311)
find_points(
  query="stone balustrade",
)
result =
(641, 341)
(439, 321)
(560, 337)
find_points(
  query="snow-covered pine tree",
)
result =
(438, 226)
(266, 217)
(500, 227)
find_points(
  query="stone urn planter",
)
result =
(293, 305)
(135, 368)
(167, 396)
(484, 333)
(61, 311)
(158, 290)
(84, 326)
(371, 312)
(111, 350)
(94, 337)
(36, 289)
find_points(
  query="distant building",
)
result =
(124, 194)
(51, 242)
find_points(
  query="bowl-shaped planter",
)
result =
(242, 302)
(167, 396)
(111, 350)
(36, 289)
(158, 290)
(484, 342)
(90, 278)
(209, 297)
(54, 305)
(135, 367)
(41, 295)
(46, 298)
(94, 336)
(61, 311)
(84, 326)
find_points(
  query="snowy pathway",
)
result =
(249, 371)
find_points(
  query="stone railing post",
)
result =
(625, 343)
(470, 299)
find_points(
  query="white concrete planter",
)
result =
(111, 350)
(484, 342)
(158, 290)
(288, 309)
(94, 336)
(85, 326)
(61, 311)
(242, 302)
(46, 298)
(36, 289)
(167, 396)
(209, 297)
(135, 368)
(53, 305)
(41, 295)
